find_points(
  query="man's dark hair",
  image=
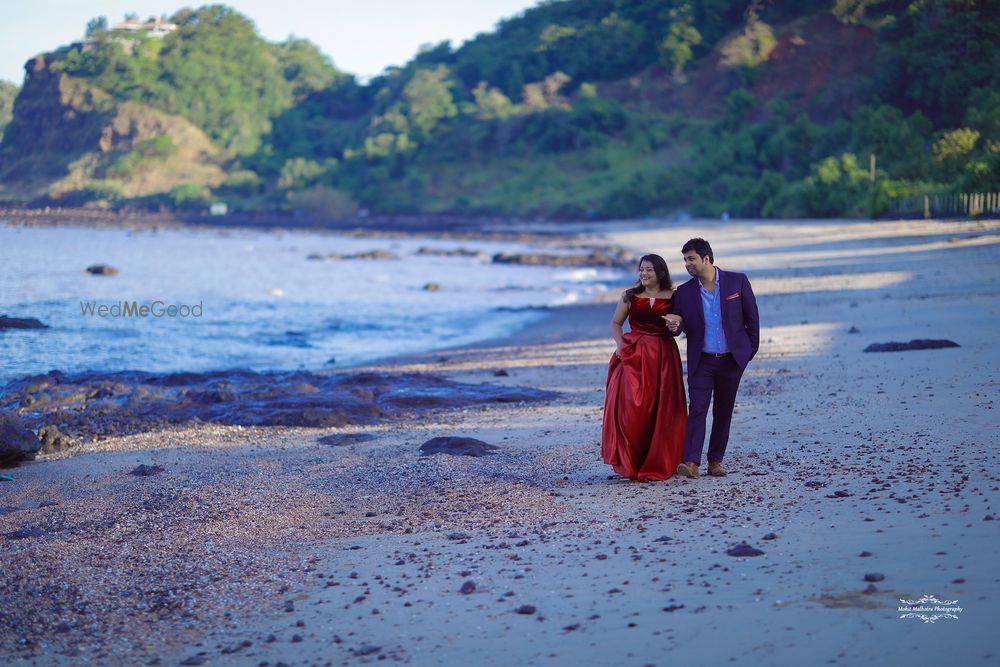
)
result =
(701, 247)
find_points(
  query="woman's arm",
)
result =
(617, 320)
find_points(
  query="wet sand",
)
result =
(261, 545)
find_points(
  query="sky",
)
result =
(362, 37)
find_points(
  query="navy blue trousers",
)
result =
(718, 378)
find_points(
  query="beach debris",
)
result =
(6, 478)
(864, 554)
(342, 439)
(743, 550)
(17, 441)
(367, 649)
(874, 576)
(770, 536)
(433, 287)
(915, 344)
(21, 323)
(853, 330)
(102, 270)
(457, 447)
(501, 373)
(144, 470)
(468, 587)
(525, 609)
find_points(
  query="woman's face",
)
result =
(647, 274)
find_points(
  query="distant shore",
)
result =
(427, 224)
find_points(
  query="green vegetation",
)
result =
(8, 92)
(576, 108)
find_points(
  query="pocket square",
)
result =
(733, 296)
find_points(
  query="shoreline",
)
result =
(864, 479)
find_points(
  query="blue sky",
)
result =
(361, 36)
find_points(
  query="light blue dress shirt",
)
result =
(711, 304)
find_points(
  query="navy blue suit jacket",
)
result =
(740, 319)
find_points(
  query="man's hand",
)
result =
(673, 322)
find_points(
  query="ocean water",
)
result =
(263, 305)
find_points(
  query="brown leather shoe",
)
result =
(715, 469)
(688, 469)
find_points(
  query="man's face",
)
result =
(695, 263)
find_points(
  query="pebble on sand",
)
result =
(743, 550)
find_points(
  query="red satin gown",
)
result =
(645, 410)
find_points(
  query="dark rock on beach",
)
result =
(17, 441)
(454, 252)
(610, 259)
(102, 270)
(368, 255)
(91, 404)
(54, 440)
(743, 550)
(20, 323)
(916, 344)
(143, 470)
(342, 439)
(457, 447)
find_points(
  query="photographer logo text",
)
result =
(136, 309)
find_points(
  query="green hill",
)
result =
(578, 108)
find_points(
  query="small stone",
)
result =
(870, 589)
(525, 609)
(105, 270)
(743, 550)
(468, 587)
(770, 536)
(367, 649)
(144, 470)
(874, 576)
(459, 535)
(500, 373)
(865, 554)
(853, 330)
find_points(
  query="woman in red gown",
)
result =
(645, 410)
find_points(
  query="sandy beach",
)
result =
(866, 479)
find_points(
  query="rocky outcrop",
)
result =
(20, 323)
(17, 441)
(70, 408)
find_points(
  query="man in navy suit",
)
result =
(722, 325)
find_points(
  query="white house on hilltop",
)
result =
(155, 27)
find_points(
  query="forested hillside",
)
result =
(577, 108)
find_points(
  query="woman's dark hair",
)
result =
(662, 274)
(701, 247)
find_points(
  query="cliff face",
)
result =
(66, 134)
